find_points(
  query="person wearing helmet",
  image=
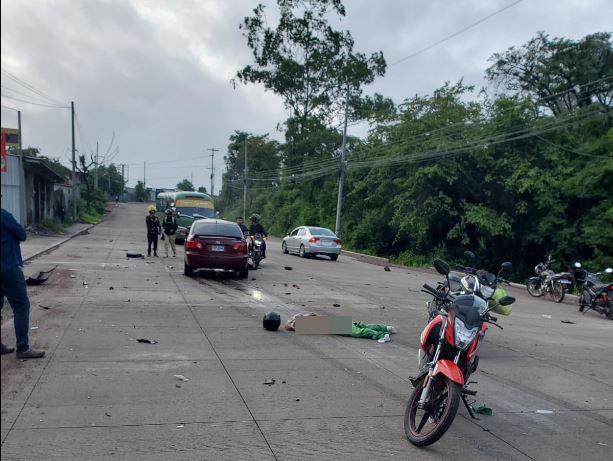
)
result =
(257, 228)
(170, 227)
(153, 230)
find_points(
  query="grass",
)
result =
(53, 225)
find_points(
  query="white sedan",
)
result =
(311, 241)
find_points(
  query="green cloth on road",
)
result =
(368, 330)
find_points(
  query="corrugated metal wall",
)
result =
(11, 187)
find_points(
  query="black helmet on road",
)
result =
(271, 321)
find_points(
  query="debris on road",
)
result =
(111, 288)
(546, 316)
(84, 283)
(131, 254)
(296, 287)
(181, 378)
(288, 293)
(147, 341)
(386, 268)
(288, 268)
(336, 305)
(269, 381)
(72, 276)
(543, 412)
(39, 278)
(44, 307)
(34, 328)
(568, 321)
(482, 410)
(297, 400)
(178, 386)
(107, 414)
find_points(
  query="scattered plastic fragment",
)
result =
(72, 276)
(44, 307)
(482, 410)
(270, 381)
(181, 378)
(146, 341)
(336, 305)
(386, 269)
(545, 316)
(131, 254)
(84, 283)
(568, 321)
(111, 288)
(180, 426)
(288, 268)
(543, 412)
(34, 328)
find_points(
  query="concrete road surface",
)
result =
(101, 394)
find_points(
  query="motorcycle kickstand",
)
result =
(470, 410)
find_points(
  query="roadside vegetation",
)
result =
(514, 171)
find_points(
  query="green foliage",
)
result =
(186, 185)
(53, 225)
(202, 189)
(110, 180)
(440, 173)
(139, 190)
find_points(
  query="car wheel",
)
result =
(244, 273)
(284, 248)
(302, 252)
(187, 270)
(333, 257)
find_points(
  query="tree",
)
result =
(110, 180)
(309, 64)
(141, 194)
(560, 74)
(186, 185)
(202, 189)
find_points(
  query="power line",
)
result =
(34, 103)
(29, 86)
(455, 34)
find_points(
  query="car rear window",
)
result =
(217, 229)
(321, 231)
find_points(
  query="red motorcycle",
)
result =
(448, 355)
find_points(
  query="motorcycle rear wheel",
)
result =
(558, 292)
(534, 289)
(438, 414)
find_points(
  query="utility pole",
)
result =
(22, 199)
(212, 168)
(123, 181)
(74, 164)
(245, 184)
(341, 181)
(96, 170)
(144, 175)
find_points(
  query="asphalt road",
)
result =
(99, 393)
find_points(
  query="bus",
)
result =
(187, 206)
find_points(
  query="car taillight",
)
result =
(241, 247)
(314, 240)
(338, 242)
(191, 244)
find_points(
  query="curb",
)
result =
(57, 244)
(377, 260)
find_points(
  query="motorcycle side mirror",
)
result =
(608, 270)
(506, 300)
(441, 267)
(469, 255)
(506, 265)
(577, 265)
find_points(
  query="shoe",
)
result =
(174, 255)
(30, 354)
(155, 253)
(385, 339)
(148, 253)
(6, 350)
(392, 330)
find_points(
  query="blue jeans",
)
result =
(13, 286)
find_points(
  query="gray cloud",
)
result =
(157, 73)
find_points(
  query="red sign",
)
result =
(4, 167)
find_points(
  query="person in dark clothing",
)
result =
(241, 224)
(257, 228)
(153, 230)
(13, 286)
(170, 227)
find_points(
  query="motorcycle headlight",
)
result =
(463, 335)
(486, 292)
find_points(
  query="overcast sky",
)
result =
(157, 73)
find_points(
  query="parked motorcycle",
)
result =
(255, 250)
(595, 295)
(547, 282)
(448, 355)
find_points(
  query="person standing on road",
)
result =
(170, 227)
(241, 224)
(153, 230)
(13, 286)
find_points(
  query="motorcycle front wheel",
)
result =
(424, 426)
(534, 288)
(558, 292)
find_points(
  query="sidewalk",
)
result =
(36, 244)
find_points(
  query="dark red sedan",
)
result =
(215, 244)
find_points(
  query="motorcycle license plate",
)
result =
(217, 248)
